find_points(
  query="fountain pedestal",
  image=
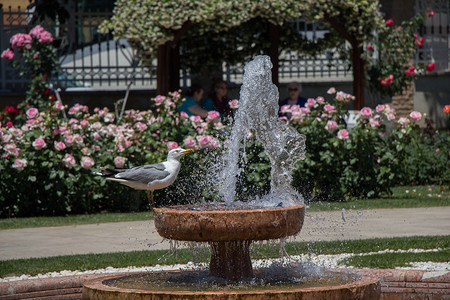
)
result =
(230, 260)
(229, 232)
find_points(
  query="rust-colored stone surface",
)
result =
(228, 225)
(367, 288)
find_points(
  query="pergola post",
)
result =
(168, 63)
(274, 37)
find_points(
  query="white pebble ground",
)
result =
(328, 261)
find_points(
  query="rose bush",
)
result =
(48, 161)
(34, 56)
(367, 160)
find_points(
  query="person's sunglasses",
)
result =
(292, 89)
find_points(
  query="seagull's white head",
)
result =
(178, 153)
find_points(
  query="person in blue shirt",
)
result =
(294, 90)
(217, 98)
(191, 102)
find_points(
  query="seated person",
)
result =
(191, 102)
(294, 90)
(217, 98)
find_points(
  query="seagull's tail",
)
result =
(107, 172)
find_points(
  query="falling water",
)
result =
(258, 112)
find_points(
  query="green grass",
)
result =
(403, 197)
(35, 266)
(392, 260)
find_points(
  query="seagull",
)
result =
(149, 177)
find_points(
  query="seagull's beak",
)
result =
(188, 151)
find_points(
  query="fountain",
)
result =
(230, 227)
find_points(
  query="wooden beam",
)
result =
(357, 62)
(274, 37)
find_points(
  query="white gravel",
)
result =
(328, 261)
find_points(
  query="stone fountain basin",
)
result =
(185, 224)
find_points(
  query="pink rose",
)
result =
(172, 145)
(379, 108)
(196, 120)
(365, 113)
(389, 22)
(342, 134)
(175, 94)
(87, 162)
(46, 37)
(119, 161)
(320, 100)
(69, 140)
(159, 99)
(84, 124)
(39, 143)
(284, 109)
(20, 164)
(310, 102)
(331, 91)
(32, 113)
(204, 140)
(7, 55)
(59, 106)
(20, 40)
(36, 31)
(97, 136)
(60, 146)
(331, 126)
(374, 123)
(12, 149)
(403, 121)
(234, 104)
(329, 108)
(190, 142)
(184, 116)
(214, 143)
(68, 161)
(212, 116)
(305, 110)
(415, 115)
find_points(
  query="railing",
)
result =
(436, 34)
(88, 60)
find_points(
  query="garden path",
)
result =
(141, 235)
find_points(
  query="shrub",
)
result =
(48, 161)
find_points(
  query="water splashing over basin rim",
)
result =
(184, 224)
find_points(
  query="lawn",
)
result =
(363, 250)
(402, 197)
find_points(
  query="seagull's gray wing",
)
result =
(144, 174)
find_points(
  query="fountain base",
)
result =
(364, 287)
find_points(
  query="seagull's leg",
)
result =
(150, 199)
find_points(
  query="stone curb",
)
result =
(395, 285)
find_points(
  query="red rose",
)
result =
(369, 47)
(389, 22)
(431, 67)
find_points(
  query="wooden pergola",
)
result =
(168, 60)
